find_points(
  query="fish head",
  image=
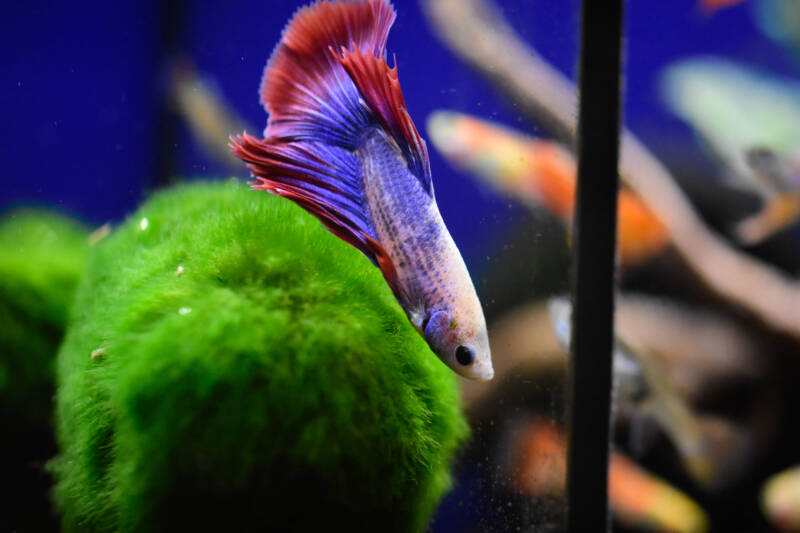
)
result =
(461, 343)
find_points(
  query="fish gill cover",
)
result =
(231, 364)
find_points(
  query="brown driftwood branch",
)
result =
(698, 349)
(476, 31)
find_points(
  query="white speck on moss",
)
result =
(179, 271)
(184, 310)
(97, 353)
(144, 223)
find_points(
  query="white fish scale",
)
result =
(408, 225)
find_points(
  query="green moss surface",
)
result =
(42, 256)
(275, 384)
(41, 259)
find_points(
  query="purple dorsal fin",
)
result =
(381, 90)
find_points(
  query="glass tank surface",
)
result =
(374, 334)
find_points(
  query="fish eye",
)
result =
(465, 355)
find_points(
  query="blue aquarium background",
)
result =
(87, 129)
(91, 129)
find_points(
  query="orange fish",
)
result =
(780, 499)
(779, 177)
(638, 499)
(540, 174)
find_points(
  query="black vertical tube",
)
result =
(593, 255)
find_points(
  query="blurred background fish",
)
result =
(711, 6)
(780, 499)
(750, 122)
(734, 109)
(648, 503)
(637, 498)
(642, 389)
(780, 20)
(539, 174)
(198, 100)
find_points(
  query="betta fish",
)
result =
(340, 143)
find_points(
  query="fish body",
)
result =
(643, 501)
(780, 20)
(424, 255)
(630, 384)
(209, 119)
(639, 382)
(540, 174)
(340, 143)
(637, 498)
(751, 123)
(736, 111)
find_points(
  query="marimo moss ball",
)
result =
(42, 256)
(232, 366)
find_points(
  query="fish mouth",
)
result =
(482, 372)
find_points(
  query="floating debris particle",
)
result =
(99, 234)
(97, 353)
(184, 310)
